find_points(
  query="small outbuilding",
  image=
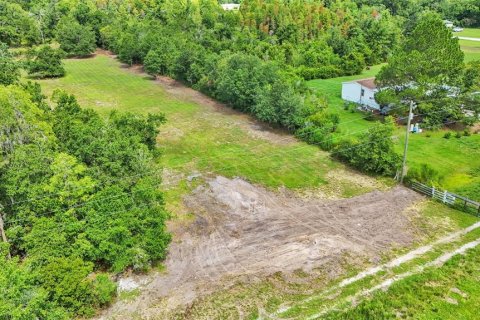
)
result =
(361, 92)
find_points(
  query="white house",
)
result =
(361, 92)
(230, 6)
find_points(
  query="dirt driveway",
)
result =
(245, 231)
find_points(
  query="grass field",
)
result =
(471, 48)
(456, 159)
(196, 139)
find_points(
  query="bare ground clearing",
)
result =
(243, 231)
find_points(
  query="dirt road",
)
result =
(242, 231)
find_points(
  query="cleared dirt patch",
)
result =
(242, 231)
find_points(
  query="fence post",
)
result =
(433, 191)
(445, 196)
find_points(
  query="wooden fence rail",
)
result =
(446, 197)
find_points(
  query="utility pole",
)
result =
(410, 116)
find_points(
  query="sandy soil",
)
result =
(242, 231)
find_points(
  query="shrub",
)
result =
(374, 152)
(104, 289)
(466, 133)
(45, 62)
(447, 135)
(425, 174)
(324, 72)
(458, 135)
(321, 137)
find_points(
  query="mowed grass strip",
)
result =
(447, 292)
(340, 298)
(471, 49)
(468, 32)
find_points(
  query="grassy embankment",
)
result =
(456, 159)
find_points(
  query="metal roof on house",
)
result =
(367, 83)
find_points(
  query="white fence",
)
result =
(447, 197)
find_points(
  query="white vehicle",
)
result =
(457, 29)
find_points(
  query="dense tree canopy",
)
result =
(16, 27)
(78, 194)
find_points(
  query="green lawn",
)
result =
(457, 160)
(332, 89)
(468, 32)
(471, 49)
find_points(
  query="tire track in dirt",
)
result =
(246, 232)
(394, 263)
(388, 282)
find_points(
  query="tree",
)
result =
(240, 78)
(162, 59)
(21, 121)
(279, 104)
(428, 67)
(9, 68)
(67, 283)
(374, 152)
(16, 27)
(21, 297)
(45, 62)
(74, 38)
